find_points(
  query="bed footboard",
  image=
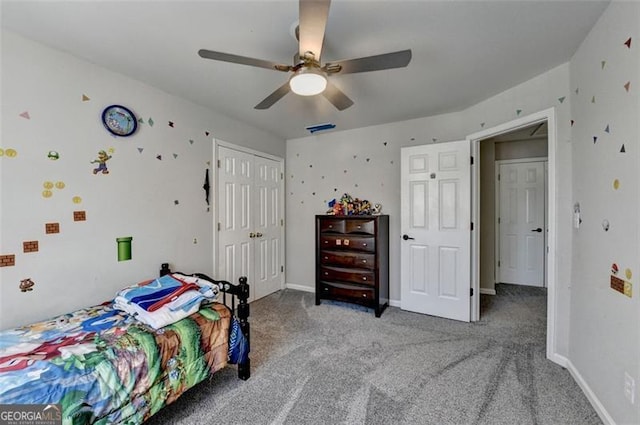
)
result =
(241, 311)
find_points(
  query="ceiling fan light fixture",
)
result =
(308, 82)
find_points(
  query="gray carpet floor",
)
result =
(338, 364)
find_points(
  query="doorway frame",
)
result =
(496, 238)
(548, 115)
(216, 203)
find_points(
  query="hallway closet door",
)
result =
(250, 220)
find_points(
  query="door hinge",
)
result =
(498, 177)
(282, 269)
(282, 222)
(471, 160)
(218, 163)
(498, 220)
(472, 225)
(281, 176)
(219, 227)
(472, 292)
(498, 263)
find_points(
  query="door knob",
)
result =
(539, 229)
(407, 237)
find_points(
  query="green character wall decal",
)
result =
(102, 159)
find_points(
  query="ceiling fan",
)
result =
(309, 77)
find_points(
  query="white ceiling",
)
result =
(463, 51)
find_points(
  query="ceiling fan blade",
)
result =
(313, 21)
(337, 97)
(398, 59)
(274, 97)
(242, 60)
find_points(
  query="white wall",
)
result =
(316, 168)
(79, 266)
(605, 330)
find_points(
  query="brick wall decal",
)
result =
(7, 260)
(79, 216)
(30, 246)
(52, 228)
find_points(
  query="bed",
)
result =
(101, 365)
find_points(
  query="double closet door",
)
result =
(250, 219)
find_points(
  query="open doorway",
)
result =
(513, 208)
(529, 122)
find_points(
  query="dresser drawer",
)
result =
(348, 293)
(364, 277)
(360, 226)
(342, 242)
(332, 225)
(348, 259)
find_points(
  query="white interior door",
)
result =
(267, 227)
(521, 223)
(250, 239)
(235, 186)
(435, 223)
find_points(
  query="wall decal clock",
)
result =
(119, 120)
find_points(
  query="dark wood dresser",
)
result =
(352, 260)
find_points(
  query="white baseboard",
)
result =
(593, 399)
(487, 291)
(300, 287)
(394, 303)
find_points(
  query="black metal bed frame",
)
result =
(239, 291)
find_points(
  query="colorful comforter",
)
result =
(104, 367)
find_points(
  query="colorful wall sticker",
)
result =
(53, 155)
(25, 115)
(60, 185)
(622, 149)
(150, 122)
(159, 157)
(616, 184)
(76, 200)
(29, 246)
(79, 216)
(627, 86)
(124, 248)
(9, 153)
(101, 160)
(628, 274)
(171, 124)
(605, 225)
(85, 98)
(628, 43)
(26, 285)
(51, 228)
(7, 260)
(47, 193)
(561, 99)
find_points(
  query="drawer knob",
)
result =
(364, 295)
(325, 289)
(331, 226)
(326, 258)
(326, 273)
(359, 227)
(364, 278)
(326, 242)
(364, 261)
(364, 244)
